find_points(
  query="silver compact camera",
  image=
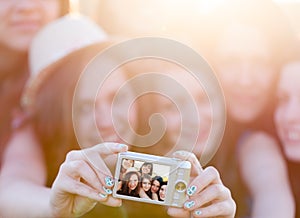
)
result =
(151, 179)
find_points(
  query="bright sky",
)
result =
(286, 1)
(208, 5)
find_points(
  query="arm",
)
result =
(264, 172)
(154, 196)
(22, 178)
(143, 194)
(82, 180)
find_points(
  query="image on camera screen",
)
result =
(151, 179)
(143, 180)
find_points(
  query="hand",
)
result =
(208, 197)
(83, 180)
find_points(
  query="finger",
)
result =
(212, 194)
(104, 174)
(69, 185)
(92, 159)
(83, 204)
(79, 169)
(110, 161)
(92, 156)
(95, 158)
(177, 212)
(207, 177)
(113, 202)
(101, 149)
(188, 156)
(224, 209)
(108, 148)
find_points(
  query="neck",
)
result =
(12, 62)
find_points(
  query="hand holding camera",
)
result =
(208, 197)
(180, 183)
(83, 180)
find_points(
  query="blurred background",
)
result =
(129, 17)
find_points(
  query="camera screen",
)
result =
(143, 180)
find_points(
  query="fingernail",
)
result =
(191, 190)
(122, 145)
(109, 181)
(181, 153)
(102, 195)
(107, 190)
(189, 204)
(198, 212)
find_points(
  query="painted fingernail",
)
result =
(189, 204)
(191, 190)
(198, 212)
(107, 190)
(102, 195)
(122, 145)
(181, 153)
(109, 181)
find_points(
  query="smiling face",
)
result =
(112, 115)
(155, 186)
(243, 63)
(176, 114)
(187, 113)
(146, 168)
(133, 182)
(127, 163)
(163, 192)
(21, 20)
(146, 184)
(287, 116)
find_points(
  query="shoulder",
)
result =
(260, 157)
(258, 143)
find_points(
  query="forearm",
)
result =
(143, 194)
(24, 199)
(279, 207)
(22, 178)
(265, 174)
(154, 196)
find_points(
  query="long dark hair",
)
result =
(160, 180)
(163, 183)
(125, 189)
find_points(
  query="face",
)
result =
(243, 64)
(146, 184)
(155, 186)
(115, 120)
(21, 20)
(133, 182)
(287, 116)
(163, 192)
(204, 113)
(146, 169)
(126, 163)
(178, 111)
(187, 114)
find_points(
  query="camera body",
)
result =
(174, 172)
